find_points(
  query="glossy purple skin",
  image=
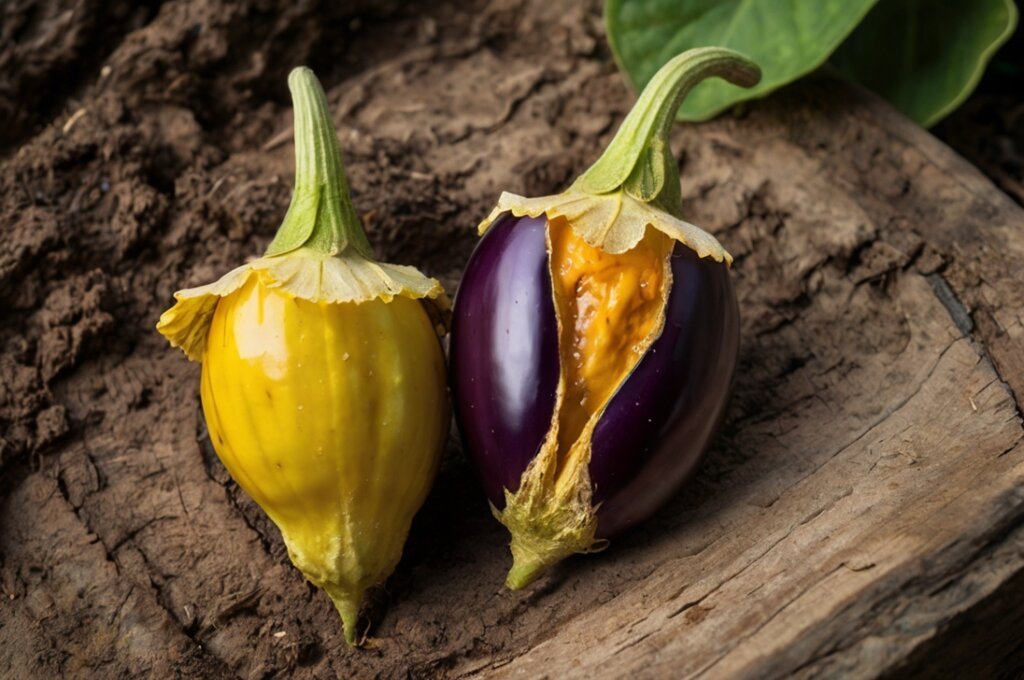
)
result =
(504, 352)
(505, 367)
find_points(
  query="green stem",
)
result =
(639, 158)
(320, 216)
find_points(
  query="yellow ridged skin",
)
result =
(333, 417)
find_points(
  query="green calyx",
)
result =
(320, 216)
(639, 159)
(547, 525)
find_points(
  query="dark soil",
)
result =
(146, 147)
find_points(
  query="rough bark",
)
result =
(862, 512)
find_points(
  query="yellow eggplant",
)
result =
(323, 377)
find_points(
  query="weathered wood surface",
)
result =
(862, 513)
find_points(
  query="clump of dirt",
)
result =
(49, 50)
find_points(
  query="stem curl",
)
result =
(639, 158)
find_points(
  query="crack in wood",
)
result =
(961, 317)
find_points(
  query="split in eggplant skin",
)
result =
(610, 308)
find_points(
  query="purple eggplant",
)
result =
(506, 366)
(594, 339)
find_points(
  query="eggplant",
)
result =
(594, 339)
(323, 376)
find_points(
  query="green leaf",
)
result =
(924, 56)
(786, 38)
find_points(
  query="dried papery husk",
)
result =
(614, 222)
(304, 274)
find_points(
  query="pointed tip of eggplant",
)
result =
(524, 572)
(348, 608)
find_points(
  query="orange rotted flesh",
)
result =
(610, 310)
